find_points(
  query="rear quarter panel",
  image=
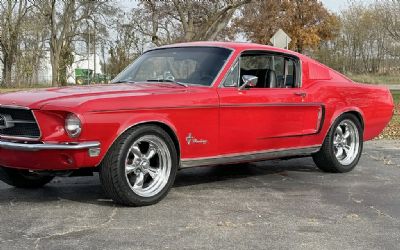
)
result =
(374, 104)
(340, 95)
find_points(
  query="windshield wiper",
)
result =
(168, 80)
(124, 81)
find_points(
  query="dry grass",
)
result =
(10, 90)
(376, 79)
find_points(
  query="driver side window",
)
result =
(272, 70)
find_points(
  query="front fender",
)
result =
(107, 127)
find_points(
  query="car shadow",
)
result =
(210, 174)
(88, 189)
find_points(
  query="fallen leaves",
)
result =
(392, 131)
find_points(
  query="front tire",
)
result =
(342, 146)
(140, 167)
(23, 178)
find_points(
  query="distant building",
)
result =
(45, 75)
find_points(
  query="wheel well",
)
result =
(354, 113)
(163, 126)
(358, 115)
(169, 131)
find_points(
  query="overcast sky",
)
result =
(337, 5)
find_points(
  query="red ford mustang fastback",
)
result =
(187, 105)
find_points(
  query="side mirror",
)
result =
(248, 81)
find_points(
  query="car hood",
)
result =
(71, 97)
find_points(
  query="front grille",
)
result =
(18, 122)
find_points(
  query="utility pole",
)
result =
(94, 52)
(88, 54)
(104, 62)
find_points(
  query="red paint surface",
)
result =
(231, 120)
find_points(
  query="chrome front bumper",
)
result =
(49, 146)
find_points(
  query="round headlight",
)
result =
(73, 125)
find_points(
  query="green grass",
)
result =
(396, 96)
(375, 78)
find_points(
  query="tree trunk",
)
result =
(4, 83)
(300, 47)
(55, 62)
(7, 71)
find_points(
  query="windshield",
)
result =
(186, 65)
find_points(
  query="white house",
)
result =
(44, 76)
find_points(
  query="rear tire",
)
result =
(140, 167)
(342, 146)
(23, 178)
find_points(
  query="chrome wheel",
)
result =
(148, 165)
(346, 142)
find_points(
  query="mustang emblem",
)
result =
(192, 140)
(6, 121)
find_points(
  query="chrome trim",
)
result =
(21, 121)
(233, 65)
(346, 142)
(184, 45)
(22, 138)
(18, 138)
(155, 108)
(37, 123)
(13, 107)
(249, 157)
(148, 173)
(49, 146)
(273, 104)
(222, 69)
(248, 81)
(300, 73)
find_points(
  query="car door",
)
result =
(275, 114)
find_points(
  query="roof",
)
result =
(234, 46)
(320, 71)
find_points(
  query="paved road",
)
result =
(275, 204)
(393, 86)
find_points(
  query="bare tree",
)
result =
(65, 17)
(126, 46)
(96, 30)
(172, 21)
(389, 12)
(12, 14)
(60, 16)
(365, 44)
(32, 50)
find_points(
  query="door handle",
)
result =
(302, 94)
